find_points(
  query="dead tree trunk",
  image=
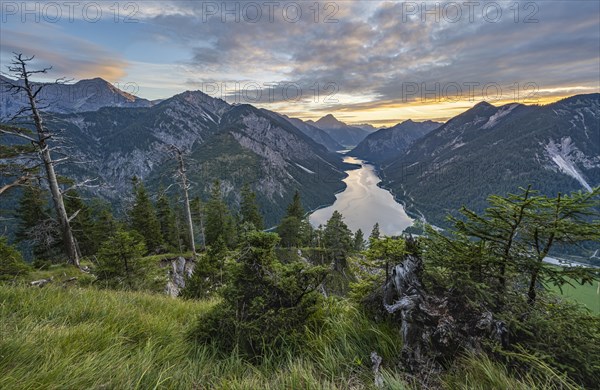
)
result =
(433, 330)
(186, 198)
(19, 68)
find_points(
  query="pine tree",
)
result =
(338, 240)
(143, 218)
(219, 222)
(249, 211)
(168, 223)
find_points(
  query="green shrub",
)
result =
(559, 334)
(207, 276)
(266, 304)
(11, 261)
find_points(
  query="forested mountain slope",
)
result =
(494, 150)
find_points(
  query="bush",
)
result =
(266, 304)
(562, 335)
(11, 261)
(207, 276)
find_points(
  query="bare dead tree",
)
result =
(185, 186)
(18, 68)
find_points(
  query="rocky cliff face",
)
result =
(178, 271)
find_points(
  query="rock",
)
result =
(376, 360)
(41, 282)
(180, 270)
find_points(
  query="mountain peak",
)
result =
(199, 99)
(483, 104)
(330, 121)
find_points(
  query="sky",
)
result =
(375, 62)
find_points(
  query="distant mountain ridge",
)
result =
(390, 143)
(346, 135)
(316, 134)
(236, 144)
(84, 95)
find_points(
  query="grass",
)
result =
(71, 338)
(587, 294)
(479, 372)
(68, 337)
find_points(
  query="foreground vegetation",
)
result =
(57, 338)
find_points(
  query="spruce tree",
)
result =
(375, 234)
(144, 220)
(219, 222)
(249, 211)
(120, 262)
(105, 224)
(34, 217)
(208, 273)
(519, 231)
(168, 223)
(359, 241)
(338, 240)
(294, 229)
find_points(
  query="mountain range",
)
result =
(236, 144)
(432, 168)
(84, 95)
(495, 150)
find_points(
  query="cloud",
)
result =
(372, 53)
(73, 58)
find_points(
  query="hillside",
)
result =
(130, 340)
(124, 339)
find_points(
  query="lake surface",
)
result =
(363, 204)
